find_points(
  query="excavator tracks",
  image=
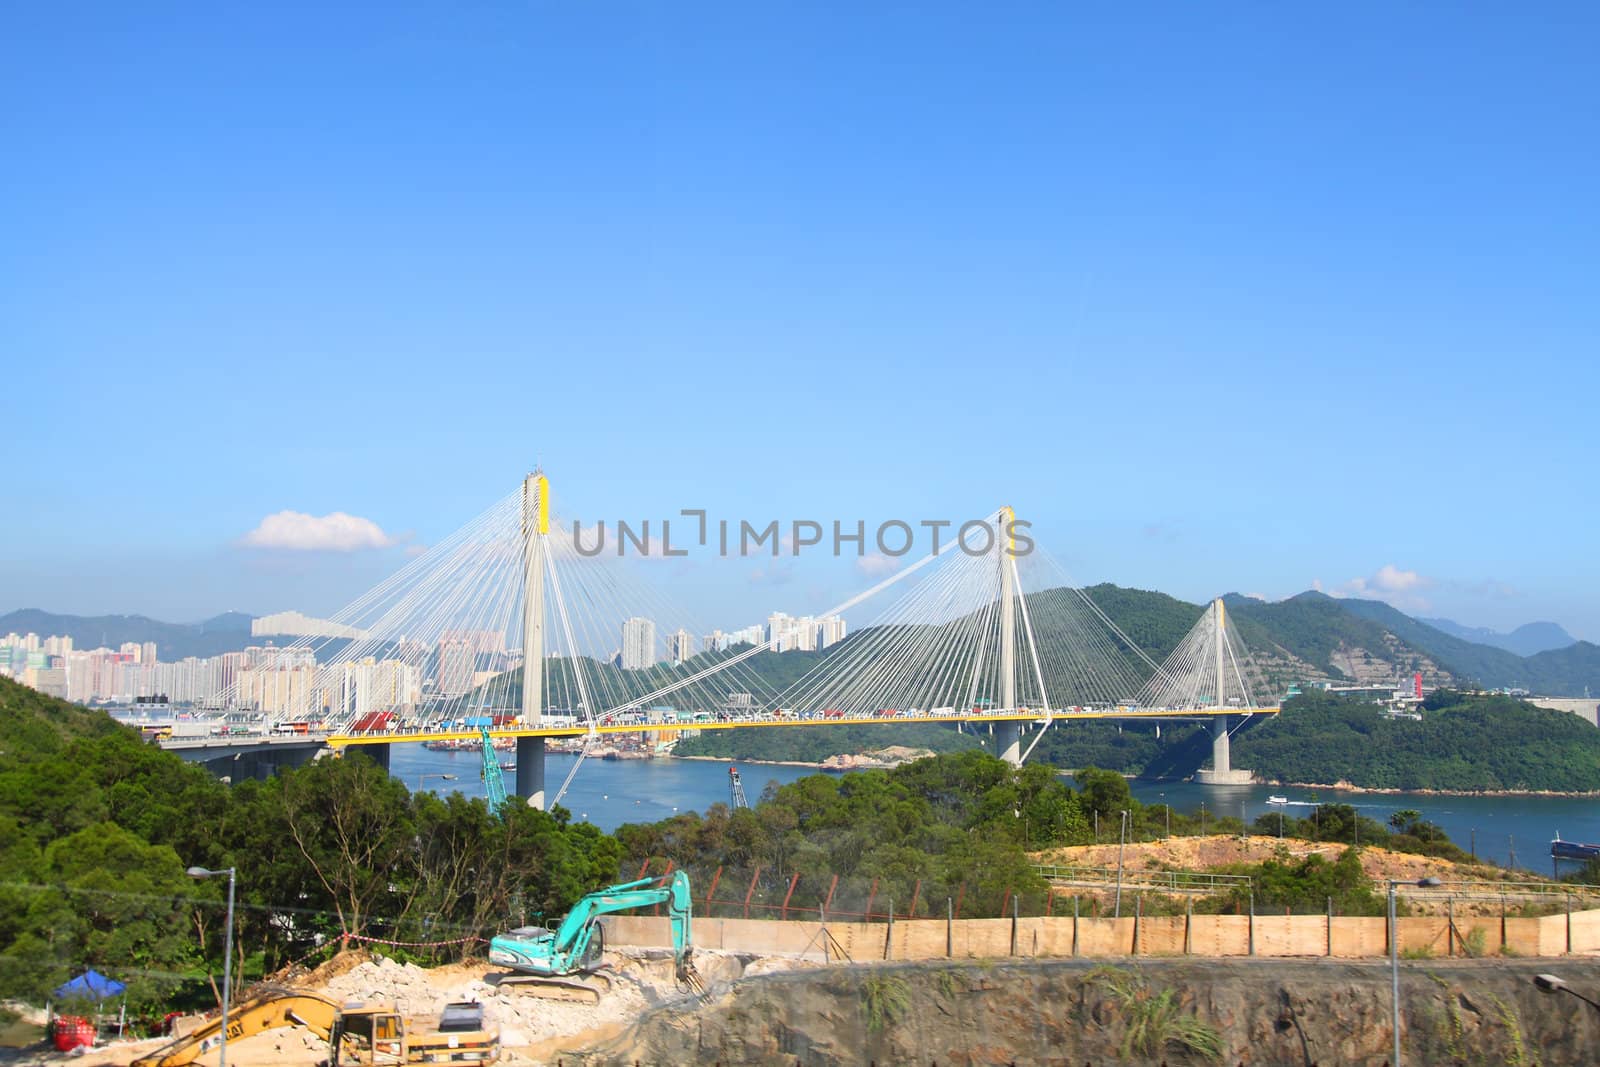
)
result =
(587, 988)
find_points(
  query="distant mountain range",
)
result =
(228, 632)
(1371, 641)
(1306, 638)
(1527, 640)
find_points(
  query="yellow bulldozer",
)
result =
(358, 1035)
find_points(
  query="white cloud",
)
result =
(877, 565)
(1391, 579)
(1402, 588)
(298, 532)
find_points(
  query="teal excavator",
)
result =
(564, 962)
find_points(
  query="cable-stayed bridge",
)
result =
(510, 627)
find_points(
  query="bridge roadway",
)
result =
(630, 726)
(259, 756)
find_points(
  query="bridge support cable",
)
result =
(1033, 654)
(583, 754)
(947, 641)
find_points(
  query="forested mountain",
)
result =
(1463, 742)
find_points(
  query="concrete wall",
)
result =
(1587, 709)
(1200, 935)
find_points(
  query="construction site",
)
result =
(617, 981)
(966, 1000)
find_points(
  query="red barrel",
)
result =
(72, 1031)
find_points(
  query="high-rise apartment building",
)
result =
(638, 644)
(457, 657)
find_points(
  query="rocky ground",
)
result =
(771, 1010)
(1069, 1012)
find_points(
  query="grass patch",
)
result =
(885, 1000)
(1156, 1020)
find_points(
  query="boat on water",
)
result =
(1573, 850)
(1275, 799)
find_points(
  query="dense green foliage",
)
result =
(1474, 743)
(97, 828)
(1154, 621)
(954, 826)
(1306, 885)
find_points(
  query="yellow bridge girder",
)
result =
(1020, 715)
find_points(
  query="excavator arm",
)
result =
(266, 1012)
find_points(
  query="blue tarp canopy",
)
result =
(90, 985)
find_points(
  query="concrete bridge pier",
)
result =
(1222, 772)
(530, 770)
(378, 754)
(1008, 742)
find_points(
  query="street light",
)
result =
(1394, 956)
(424, 777)
(1549, 983)
(227, 958)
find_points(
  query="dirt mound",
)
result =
(300, 978)
(1208, 853)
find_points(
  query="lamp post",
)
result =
(1549, 983)
(227, 958)
(424, 777)
(1394, 957)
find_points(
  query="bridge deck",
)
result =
(815, 719)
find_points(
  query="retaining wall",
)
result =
(1164, 935)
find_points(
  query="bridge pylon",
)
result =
(1008, 735)
(535, 530)
(1221, 771)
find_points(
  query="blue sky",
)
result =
(1220, 297)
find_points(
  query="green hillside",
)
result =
(97, 828)
(1483, 665)
(1557, 672)
(1464, 743)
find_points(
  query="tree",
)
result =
(1104, 792)
(351, 824)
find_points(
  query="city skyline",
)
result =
(1266, 305)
